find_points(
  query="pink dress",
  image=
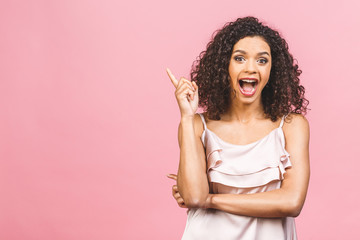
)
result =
(241, 169)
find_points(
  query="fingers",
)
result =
(195, 86)
(183, 205)
(172, 176)
(176, 82)
(172, 78)
(180, 202)
(177, 197)
(185, 88)
(179, 85)
(185, 82)
(174, 190)
(190, 84)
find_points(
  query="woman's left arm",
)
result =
(290, 198)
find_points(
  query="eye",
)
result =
(239, 58)
(263, 60)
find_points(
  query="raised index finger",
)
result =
(172, 78)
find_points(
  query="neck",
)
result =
(243, 112)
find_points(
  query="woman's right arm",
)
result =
(192, 180)
(191, 177)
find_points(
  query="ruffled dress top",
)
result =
(241, 169)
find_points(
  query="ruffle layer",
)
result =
(234, 172)
(284, 163)
(212, 150)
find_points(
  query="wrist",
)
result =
(188, 118)
(208, 202)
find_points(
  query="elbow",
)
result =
(293, 208)
(195, 202)
(194, 197)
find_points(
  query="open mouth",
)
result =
(248, 86)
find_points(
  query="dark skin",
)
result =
(245, 118)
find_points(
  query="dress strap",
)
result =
(203, 120)
(282, 120)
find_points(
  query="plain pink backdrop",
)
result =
(88, 117)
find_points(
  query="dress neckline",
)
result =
(242, 145)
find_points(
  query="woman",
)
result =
(244, 163)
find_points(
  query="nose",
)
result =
(250, 67)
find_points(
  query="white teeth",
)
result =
(248, 81)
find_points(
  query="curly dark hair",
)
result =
(283, 93)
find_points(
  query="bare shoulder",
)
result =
(296, 125)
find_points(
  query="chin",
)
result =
(248, 100)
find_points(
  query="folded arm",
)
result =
(289, 199)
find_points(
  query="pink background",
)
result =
(88, 117)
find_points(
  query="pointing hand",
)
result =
(187, 95)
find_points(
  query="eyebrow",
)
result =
(244, 52)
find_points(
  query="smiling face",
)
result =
(249, 68)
